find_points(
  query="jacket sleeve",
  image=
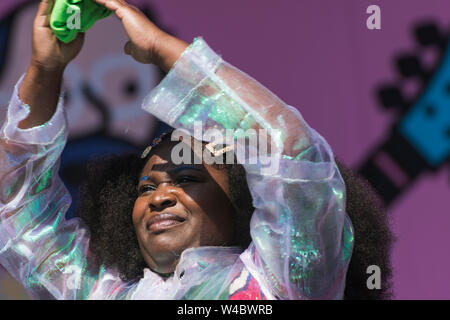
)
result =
(302, 236)
(38, 246)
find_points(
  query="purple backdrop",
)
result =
(320, 57)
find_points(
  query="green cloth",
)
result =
(68, 15)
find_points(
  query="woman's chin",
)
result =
(163, 255)
(165, 268)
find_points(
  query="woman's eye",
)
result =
(185, 179)
(146, 188)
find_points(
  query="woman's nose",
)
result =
(162, 198)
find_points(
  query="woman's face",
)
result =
(179, 207)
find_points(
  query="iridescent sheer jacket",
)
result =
(302, 236)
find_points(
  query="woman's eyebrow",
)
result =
(174, 170)
(181, 168)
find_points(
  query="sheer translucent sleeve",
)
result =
(302, 236)
(38, 246)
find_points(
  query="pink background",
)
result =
(319, 57)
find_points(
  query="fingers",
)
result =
(44, 12)
(131, 50)
(118, 6)
(128, 48)
(45, 7)
(42, 9)
(113, 5)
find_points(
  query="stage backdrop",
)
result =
(381, 97)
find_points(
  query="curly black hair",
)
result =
(107, 198)
(373, 238)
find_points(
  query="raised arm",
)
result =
(41, 85)
(150, 45)
(302, 236)
(38, 246)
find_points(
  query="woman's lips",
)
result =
(163, 221)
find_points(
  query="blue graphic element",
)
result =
(4, 35)
(3, 38)
(82, 149)
(427, 124)
(78, 153)
(420, 140)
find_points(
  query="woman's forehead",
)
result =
(161, 162)
(166, 166)
(164, 154)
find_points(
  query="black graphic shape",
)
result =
(409, 148)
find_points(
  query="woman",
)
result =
(191, 230)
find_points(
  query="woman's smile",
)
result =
(162, 221)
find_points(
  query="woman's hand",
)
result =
(48, 52)
(41, 85)
(148, 43)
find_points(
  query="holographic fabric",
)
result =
(302, 237)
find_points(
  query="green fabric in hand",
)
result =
(69, 17)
